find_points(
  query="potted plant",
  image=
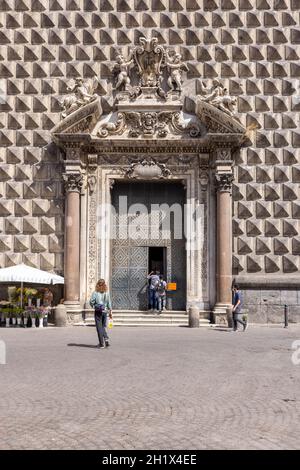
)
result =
(25, 318)
(39, 297)
(17, 311)
(7, 319)
(12, 294)
(33, 315)
(6, 315)
(4, 304)
(40, 313)
(30, 293)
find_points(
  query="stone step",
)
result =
(148, 321)
(145, 318)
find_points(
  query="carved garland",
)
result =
(149, 124)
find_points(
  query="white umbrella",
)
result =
(23, 273)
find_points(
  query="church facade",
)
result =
(115, 112)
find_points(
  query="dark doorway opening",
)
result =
(157, 259)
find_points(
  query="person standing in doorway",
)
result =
(100, 301)
(153, 278)
(161, 288)
(237, 309)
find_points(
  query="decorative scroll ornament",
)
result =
(83, 92)
(73, 182)
(147, 168)
(147, 124)
(218, 96)
(224, 182)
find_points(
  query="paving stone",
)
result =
(152, 389)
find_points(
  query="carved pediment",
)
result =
(217, 121)
(146, 110)
(80, 121)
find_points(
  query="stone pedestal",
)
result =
(60, 315)
(193, 317)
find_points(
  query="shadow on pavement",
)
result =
(83, 345)
(227, 330)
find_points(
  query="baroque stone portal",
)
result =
(151, 132)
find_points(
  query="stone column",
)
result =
(224, 244)
(73, 184)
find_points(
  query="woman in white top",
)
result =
(100, 301)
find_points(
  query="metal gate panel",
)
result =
(129, 257)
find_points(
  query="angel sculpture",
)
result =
(123, 67)
(83, 92)
(218, 96)
(175, 66)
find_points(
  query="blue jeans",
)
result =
(152, 299)
(238, 318)
(100, 320)
(161, 300)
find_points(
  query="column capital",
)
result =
(224, 182)
(73, 182)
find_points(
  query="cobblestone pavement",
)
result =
(172, 388)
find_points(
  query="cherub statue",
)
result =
(123, 67)
(83, 92)
(218, 96)
(175, 66)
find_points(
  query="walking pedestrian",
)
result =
(153, 277)
(161, 288)
(100, 301)
(237, 309)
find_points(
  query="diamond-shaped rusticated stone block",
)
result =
(21, 243)
(31, 260)
(272, 191)
(13, 225)
(254, 191)
(47, 261)
(12, 259)
(255, 263)
(13, 190)
(30, 225)
(6, 207)
(40, 207)
(272, 227)
(296, 246)
(56, 244)
(254, 227)
(272, 263)
(238, 264)
(290, 227)
(5, 243)
(48, 225)
(238, 227)
(290, 264)
(39, 243)
(263, 245)
(22, 207)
